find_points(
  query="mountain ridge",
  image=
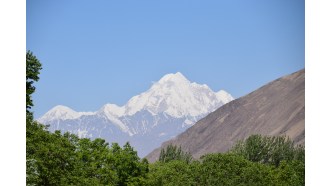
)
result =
(127, 109)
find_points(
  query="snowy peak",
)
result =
(176, 96)
(62, 112)
(112, 109)
(224, 96)
(176, 78)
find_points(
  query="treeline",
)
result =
(65, 159)
(258, 160)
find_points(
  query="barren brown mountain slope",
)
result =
(278, 108)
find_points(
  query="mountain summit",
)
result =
(63, 113)
(169, 107)
(176, 96)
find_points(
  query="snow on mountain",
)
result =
(112, 112)
(112, 109)
(178, 97)
(224, 96)
(61, 112)
(169, 107)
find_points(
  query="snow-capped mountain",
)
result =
(63, 113)
(169, 107)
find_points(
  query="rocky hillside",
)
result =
(277, 108)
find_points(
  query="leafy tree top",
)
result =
(33, 67)
(173, 152)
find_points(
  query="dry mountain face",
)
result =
(278, 108)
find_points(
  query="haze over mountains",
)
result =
(168, 108)
(277, 108)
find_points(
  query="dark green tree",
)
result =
(290, 173)
(95, 163)
(127, 165)
(33, 67)
(231, 169)
(175, 172)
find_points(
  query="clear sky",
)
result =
(98, 52)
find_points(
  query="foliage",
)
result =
(33, 66)
(259, 160)
(224, 169)
(64, 159)
(174, 153)
(230, 169)
(175, 172)
(290, 173)
(127, 164)
(269, 150)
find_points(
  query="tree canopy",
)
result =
(174, 153)
(269, 149)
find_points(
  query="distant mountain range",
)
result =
(168, 108)
(278, 108)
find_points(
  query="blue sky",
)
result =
(97, 52)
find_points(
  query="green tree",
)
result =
(175, 172)
(49, 157)
(33, 67)
(269, 150)
(290, 173)
(172, 152)
(95, 163)
(127, 164)
(231, 169)
(299, 153)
